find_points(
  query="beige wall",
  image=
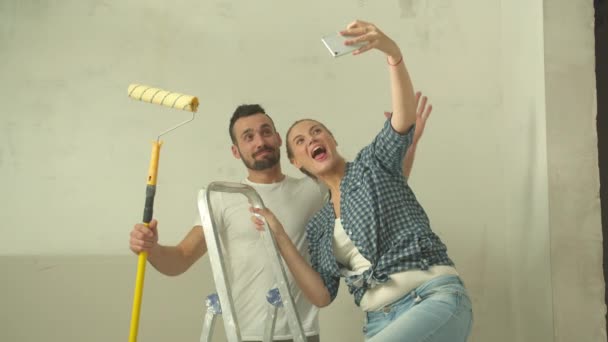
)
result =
(576, 236)
(67, 298)
(507, 170)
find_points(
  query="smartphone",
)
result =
(335, 44)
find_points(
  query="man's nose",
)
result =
(258, 140)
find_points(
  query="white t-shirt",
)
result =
(248, 267)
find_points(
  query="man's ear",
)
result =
(235, 152)
(280, 140)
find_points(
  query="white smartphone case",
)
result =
(335, 44)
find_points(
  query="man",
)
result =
(294, 201)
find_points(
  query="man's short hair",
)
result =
(242, 111)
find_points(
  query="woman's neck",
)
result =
(333, 177)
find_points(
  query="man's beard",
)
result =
(258, 165)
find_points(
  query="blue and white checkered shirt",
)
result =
(382, 217)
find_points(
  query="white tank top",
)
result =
(398, 285)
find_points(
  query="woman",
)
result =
(373, 232)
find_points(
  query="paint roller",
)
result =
(169, 99)
(163, 97)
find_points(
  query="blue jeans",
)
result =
(437, 311)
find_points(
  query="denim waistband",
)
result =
(449, 290)
(439, 281)
(423, 291)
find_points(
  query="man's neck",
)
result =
(268, 176)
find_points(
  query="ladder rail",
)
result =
(217, 263)
(213, 310)
(218, 268)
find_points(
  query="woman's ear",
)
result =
(295, 163)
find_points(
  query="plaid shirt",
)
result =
(382, 217)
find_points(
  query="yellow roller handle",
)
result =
(143, 256)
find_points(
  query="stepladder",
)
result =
(220, 303)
